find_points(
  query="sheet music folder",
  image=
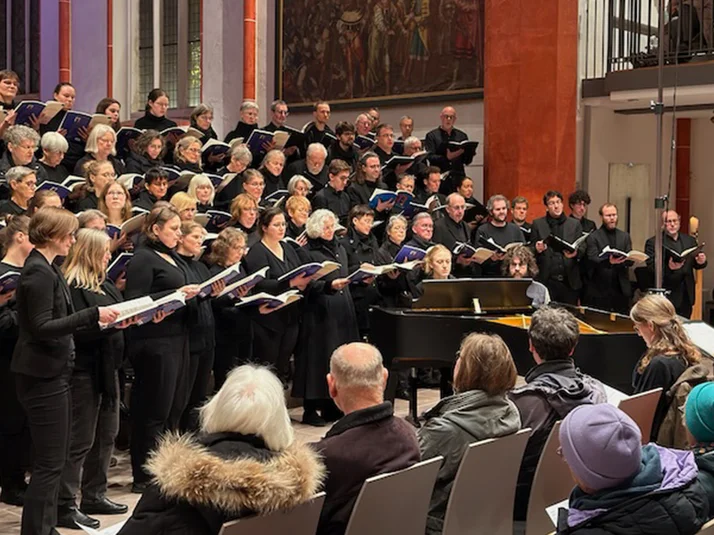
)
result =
(457, 295)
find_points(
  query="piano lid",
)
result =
(457, 295)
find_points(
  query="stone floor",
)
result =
(120, 475)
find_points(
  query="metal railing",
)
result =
(617, 35)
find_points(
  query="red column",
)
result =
(249, 24)
(110, 47)
(684, 136)
(530, 98)
(65, 40)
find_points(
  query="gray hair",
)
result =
(200, 110)
(86, 217)
(411, 141)
(250, 402)
(276, 103)
(364, 117)
(271, 155)
(97, 132)
(201, 180)
(249, 105)
(295, 180)
(18, 173)
(317, 147)
(405, 118)
(316, 222)
(357, 365)
(492, 200)
(242, 153)
(19, 133)
(553, 332)
(396, 219)
(54, 142)
(419, 217)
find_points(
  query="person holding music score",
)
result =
(437, 146)
(244, 212)
(159, 351)
(343, 148)
(362, 248)
(383, 149)
(328, 319)
(497, 230)
(156, 185)
(43, 359)
(115, 203)
(678, 273)
(608, 285)
(94, 386)
(451, 230)
(146, 152)
(20, 144)
(187, 155)
(313, 166)
(241, 158)
(316, 131)
(465, 188)
(247, 122)
(272, 168)
(234, 332)
(279, 115)
(367, 179)
(15, 441)
(430, 188)
(578, 201)
(478, 410)
(393, 289)
(201, 188)
(519, 213)
(275, 334)
(201, 334)
(101, 147)
(54, 146)
(298, 210)
(419, 168)
(559, 266)
(333, 196)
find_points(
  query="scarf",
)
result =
(160, 247)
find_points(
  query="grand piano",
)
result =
(430, 333)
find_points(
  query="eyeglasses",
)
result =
(282, 112)
(194, 150)
(449, 116)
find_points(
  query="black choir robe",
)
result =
(608, 285)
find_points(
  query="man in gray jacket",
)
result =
(553, 388)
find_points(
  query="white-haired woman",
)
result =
(272, 169)
(54, 147)
(101, 146)
(328, 320)
(241, 158)
(299, 186)
(21, 144)
(201, 188)
(245, 461)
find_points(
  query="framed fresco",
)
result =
(378, 51)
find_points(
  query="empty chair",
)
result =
(300, 520)
(641, 408)
(552, 483)
(481, 499)
(397, 502)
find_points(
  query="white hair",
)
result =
(54, 142)
(97, 132)
(315, 224)
(248, 105)
(242, 154)
(411, 141)
(317, 147)
(251, 402)
(295, 180)
(201, 180)
(18, 133)
(274, 154)
(18, 173)
(357, 365)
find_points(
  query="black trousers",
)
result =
(48, 407)
(275, 348)
(199, 373)
(15, 441)
(232, 351)
(95, 424)
(158, 396)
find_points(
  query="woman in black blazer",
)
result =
(43, 359)
(275, 334)
(159, 352)
(94, 386)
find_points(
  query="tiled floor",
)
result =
(120, 475)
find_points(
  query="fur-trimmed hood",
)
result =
(184, 469)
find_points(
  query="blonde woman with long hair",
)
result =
(669, 350)
(94, 383)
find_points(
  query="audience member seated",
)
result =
(54, 147)
(553, 388)
(244, 461)
(669, 352)
(479, 409)
(699, 418)
(369, 440)
(156, 184)
(101, 147)
(22, 181)
(622, 486)
(145, 153)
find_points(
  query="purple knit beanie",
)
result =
(601, 444)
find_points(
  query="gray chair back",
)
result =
(300, 520)
(481, 499)
(707, 529)
(641, 408)
(395, 503)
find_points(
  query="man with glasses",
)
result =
(279, 115)
(437, 146)
(385, 142)
(678, 273)
(499, 231)
(333, 196)
(452, 230)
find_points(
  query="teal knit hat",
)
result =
(699, 412)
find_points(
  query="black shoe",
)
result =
(70, 517)
(312, 418)
(139, 488)
(13, 497)
(103, 507)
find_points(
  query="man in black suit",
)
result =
(385, 142)
(677, 277)
(609, 285)
(558, 268)
(499, 231)
(452, 230)
(437, 145)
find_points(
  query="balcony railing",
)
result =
(618, 35)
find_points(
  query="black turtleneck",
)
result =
(556, 224)
(243, 130)
(151, 121)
